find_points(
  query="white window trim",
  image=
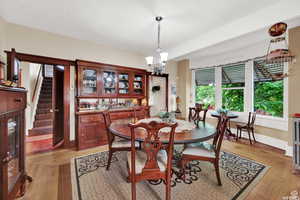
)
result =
(280, 123)
(234, 88)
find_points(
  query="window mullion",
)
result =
(218, 81)
(285, 92)
(249, 89)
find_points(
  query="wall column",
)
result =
(294, 79)
(184, 84)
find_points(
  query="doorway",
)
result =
(45, 110)
(57, 98)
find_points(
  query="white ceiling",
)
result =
(129, 24)
(247, 46)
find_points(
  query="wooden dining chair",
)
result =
(249, 126)
(195, 113)
(140, 113)
(154, 160)
(205, 151)
(114, 143)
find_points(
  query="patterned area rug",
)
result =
(91, 181)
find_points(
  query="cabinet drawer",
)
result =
(91, 118)
(121, 115)
(3, 102)
(16, 100)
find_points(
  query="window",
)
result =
(233, 83)
(205, 87)
(268, 89)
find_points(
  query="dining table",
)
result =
(204, 132)
(230, 115)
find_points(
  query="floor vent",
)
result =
(296, 144)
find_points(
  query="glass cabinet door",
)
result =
(138, 85)
(109, 83)
(123, 85)
(13, 154)
(89, 82)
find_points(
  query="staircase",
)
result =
(43, 118)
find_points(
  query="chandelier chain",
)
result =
(158, 36)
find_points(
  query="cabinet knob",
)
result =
(18, 100)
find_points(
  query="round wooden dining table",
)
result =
(204, 132)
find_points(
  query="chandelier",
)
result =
(159, 60)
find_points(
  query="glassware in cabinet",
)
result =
(13, 153)
(138, 84)
(123, 86)
(89, 81)
(109, 82)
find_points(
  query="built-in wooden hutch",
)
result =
(12, 136)
(100, 87)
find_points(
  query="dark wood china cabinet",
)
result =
(12, 137)
(100, 86)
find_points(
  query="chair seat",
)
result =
(201, 149)
(141, 157)
(204, 145)
(123, 143)
(241, 125)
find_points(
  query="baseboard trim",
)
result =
(289, 151)
(274, 142)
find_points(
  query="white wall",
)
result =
(157, 99)
(2, 40)
(30, 72)
(34, 41)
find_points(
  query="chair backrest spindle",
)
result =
(152, 144)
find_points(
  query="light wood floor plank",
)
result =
(51, 172)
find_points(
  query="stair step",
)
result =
(45, 100)
(40, 131)
(46, 87)
(43, 116)
(43, 110)
(43, 122)
(45, 105)
(45, 95)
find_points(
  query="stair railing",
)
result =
(36, 82)
(35, 96)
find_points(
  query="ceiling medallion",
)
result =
(158, 61)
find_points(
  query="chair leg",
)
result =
(249, 136)
(133, 190)
(237, 134)
(182, 165)
(216, 164)
(109, 159)
(168, 188)
(252, 130)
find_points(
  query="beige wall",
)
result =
(171, 69)
(34, 41)
(2, 39)
(294, 77)
(184, 76)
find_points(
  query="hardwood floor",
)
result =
(38, 144)
(51, 172)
